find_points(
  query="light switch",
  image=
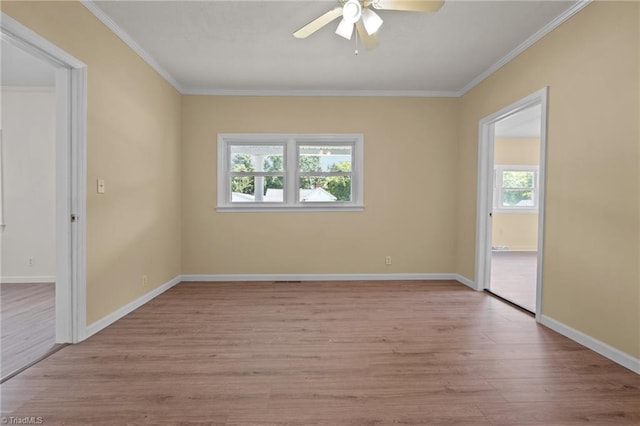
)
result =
(100, 186)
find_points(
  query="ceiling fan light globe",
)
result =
(345, 29)
(371, 21)
(352, 11)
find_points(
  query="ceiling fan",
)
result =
(357, 14)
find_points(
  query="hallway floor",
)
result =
(27, 314)
(513, 277)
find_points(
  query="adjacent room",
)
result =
(515, 206)
(324, 212)
(27, 209)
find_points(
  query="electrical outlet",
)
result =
(144, 281)
(31, 261)
(387, 260)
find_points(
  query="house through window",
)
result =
(300, 172)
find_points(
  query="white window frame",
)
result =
(499, 169)
(291, 142)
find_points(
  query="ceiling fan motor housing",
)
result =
(352, 11)
(358, 16)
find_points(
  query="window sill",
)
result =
(305, 208)
(516, 211)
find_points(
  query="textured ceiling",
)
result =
(247, 46)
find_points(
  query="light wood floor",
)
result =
(27, 318)
(513, 276)
(341, 353)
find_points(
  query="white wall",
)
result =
(28, 133)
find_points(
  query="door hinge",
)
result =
(74, 217)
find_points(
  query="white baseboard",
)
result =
(116, 315)
(595, 345)
(316, 277)
(602, 348)
(26, 280)
(128, 308)
(466, 281)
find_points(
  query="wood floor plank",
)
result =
(564, 413)
(27, 323)
(513, 276)
(325, 353)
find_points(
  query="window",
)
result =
(258, 172)
(516, 189)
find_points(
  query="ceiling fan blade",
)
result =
(345, 29)
(368, 41)
(408, 5)
(318, 23)
(371, 21)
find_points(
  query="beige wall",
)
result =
(517, 231)
(517, 151)
(410, 184)
(591, 65)
(133, 142)
(420, 172)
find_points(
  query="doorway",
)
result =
(68, 179)
(511, 202)
(27, 209)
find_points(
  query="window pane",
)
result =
(317, 158)
(249, 158)
(243, 189)
(518, 179)
(517, 198)
(269, 172)
(325, 189)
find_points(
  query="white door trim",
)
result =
(485, 189)
(71, 116)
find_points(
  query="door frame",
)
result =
(71, 117)
(485, 189)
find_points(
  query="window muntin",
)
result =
(290, 172)
(516, 189)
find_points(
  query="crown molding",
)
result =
(575, 8)
(106, 20)
(341, 93)
(129, 41)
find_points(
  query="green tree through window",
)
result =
(340, 186)
(517, 187)
(242, 184)
(310, 163)
(273, 163)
